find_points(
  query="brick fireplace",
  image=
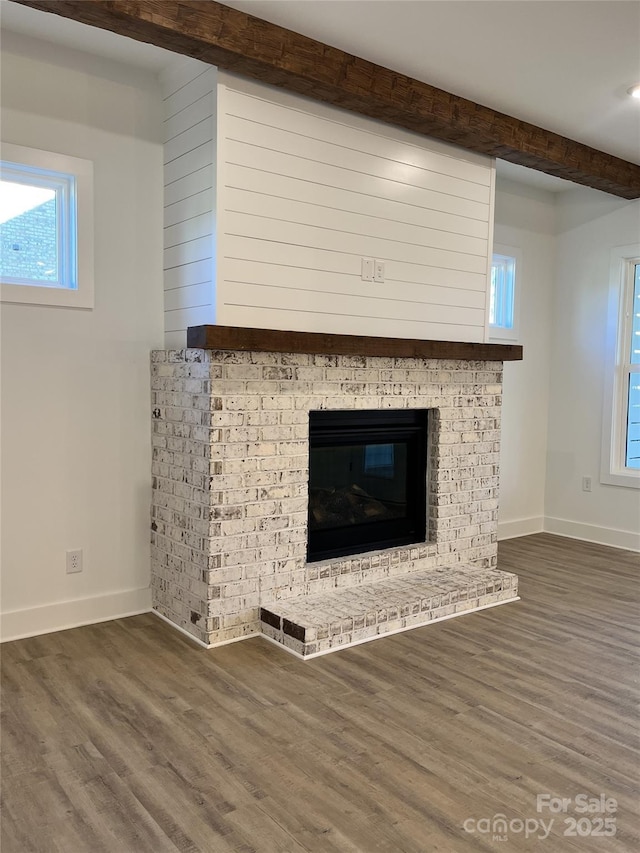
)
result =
(230, 489)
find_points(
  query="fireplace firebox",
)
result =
(367, 481)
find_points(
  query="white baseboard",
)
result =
(201, 643)
(520, 527)
(175, 627)
(32, 621)
(625, 539)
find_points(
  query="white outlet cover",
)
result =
(74, 561)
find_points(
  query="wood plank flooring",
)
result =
(124, 737)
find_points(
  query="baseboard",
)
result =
(201, 643)
(614, 538)
(175, 627)
(32, 621)
(520, 527)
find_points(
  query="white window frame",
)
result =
(501, 333)
(76, 291)
(614, 424)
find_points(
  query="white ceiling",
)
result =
(562, 64)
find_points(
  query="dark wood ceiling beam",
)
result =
(254, 48)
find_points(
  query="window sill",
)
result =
(499, 336)
(57, 297)
(621, 478)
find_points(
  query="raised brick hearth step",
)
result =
(324, 623)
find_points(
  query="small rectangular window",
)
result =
(621, 422)
(503, 276)
(503, 293)
(37, 226)
(46, 228)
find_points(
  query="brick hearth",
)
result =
(311, 626)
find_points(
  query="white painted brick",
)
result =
(231, 465)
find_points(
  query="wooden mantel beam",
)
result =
(272, 340)
(254, 48)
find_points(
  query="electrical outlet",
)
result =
(586, 484)
(378, 271)
(74, 561)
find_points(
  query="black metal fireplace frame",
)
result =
(384, 426)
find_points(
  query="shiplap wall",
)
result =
(189, 93)
(305, 191)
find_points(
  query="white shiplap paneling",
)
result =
(189, 90)
(305, 191)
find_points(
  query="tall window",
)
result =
(503, 293)
(621, 433)
(45, 208)
(631, 376)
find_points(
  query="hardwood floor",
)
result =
(124, 737)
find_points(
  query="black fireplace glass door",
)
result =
(367, 481)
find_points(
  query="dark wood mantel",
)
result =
(271, 340)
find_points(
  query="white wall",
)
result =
(305, 191)
(590, 224)
(75, 383)
(525, 218)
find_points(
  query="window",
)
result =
(46, 228)
(38, 227)
(632, 380)
(621, 433)
(503, 293)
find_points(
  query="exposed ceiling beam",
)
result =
(254, 48)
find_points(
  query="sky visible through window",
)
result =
(19, 198)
